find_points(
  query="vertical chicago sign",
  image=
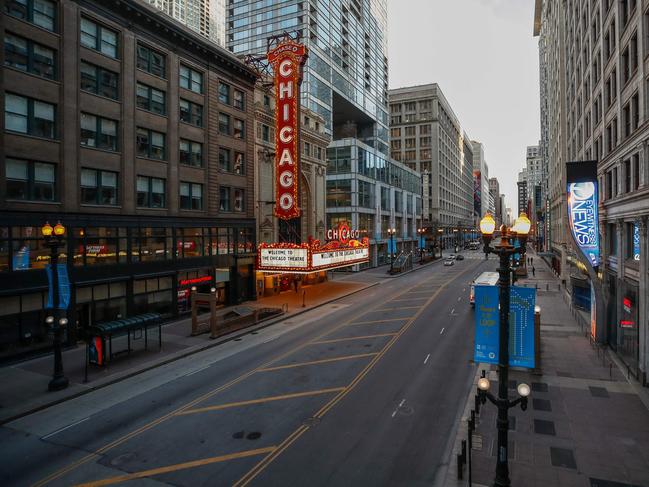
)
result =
(287, 59)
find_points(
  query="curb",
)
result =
(180, 355)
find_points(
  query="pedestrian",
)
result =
(533, 272)
(532, 260)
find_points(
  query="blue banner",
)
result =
(486, 324)
(636, 242)
(422, 242)
(21, 259)
(392, 246)
(583, 218)
(64, 286)
(521, 326)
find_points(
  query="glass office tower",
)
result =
(346, 76)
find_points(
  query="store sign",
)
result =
(196, 280)
(636, 242)
(337, 258)
(283, 258)
(343, 233)
(582, 213)
(287, 59)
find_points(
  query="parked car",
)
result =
(449, 261)
(452, 257)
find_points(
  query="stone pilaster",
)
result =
(619, 232)
(643, 301)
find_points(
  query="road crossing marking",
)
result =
(442, 331)
(179, 466)
(392, 309)
(371, 322)
(316, 362)
(260, 400)
(407, 299)
(336, 340)
(64, 428)
(426, 359)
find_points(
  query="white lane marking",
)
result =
(197, 371)
(442, 331)
(426, 359)
(64, 428)
(394, 413)
(453, 311)
(401, 403)
(459, 298)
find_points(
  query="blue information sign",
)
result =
(521, 326)
(64, 286)
(486, 324)
(636, 242)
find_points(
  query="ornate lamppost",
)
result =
(504, 250)
(54, 239)
(391, 232)
(420, 236)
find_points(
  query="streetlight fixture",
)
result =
(504, 250)
(391, 232)
(420, 233)
(54, 239)
(440, 232)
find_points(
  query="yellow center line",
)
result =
(336, 340)
(316, 362)
(178, 466)
(407, 299)
(260, 400)
(371, 322)
(264, 462)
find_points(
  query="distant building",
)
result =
(426, 136)
(480, 180)
(522, 196)
(207, 17)
(494, 191)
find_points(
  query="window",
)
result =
(225, 162)
(98, 187)
(28, 56)
(238, 128)
(38, 12)
(99, 38)
(365, 194)
(150, 99)
(98, 132)
(339, 193)
(627, 176)
(265, 132)
(191, 196)
(191, 153)
(29, 180)
(636, 171)
(238, 167)
(190, 79)
(224, 93)
(98, 80)
(150, 144)
(306, 149)
(150, 192)
(239, 97)
(267, 101)
(28, 116)
(151, 61)
(191, 113)
(224, 124)
(395, 132)
(224, 198)
(239, 199)
(410, 131)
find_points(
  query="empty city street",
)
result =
(363, 391)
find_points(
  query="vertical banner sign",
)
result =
(636, 242)
(582, 208)
(486, 324)
(287, 59)
(521, 326)
(64, 286)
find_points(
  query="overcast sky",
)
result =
(484, 58)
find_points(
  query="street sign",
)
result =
(521, 326)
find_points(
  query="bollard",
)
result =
(459, 466)
(464, 452)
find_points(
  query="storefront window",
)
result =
(186, 280)
(4, 249)
(151, 244)
(366, 225)
(628, 338)
(153, 296)
(100, 245)
(339, 193)
(224, 243)
(22, 323)
(245, 241)
(190, 242)
(29, 250)
(333, 219)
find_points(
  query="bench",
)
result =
(110, 329)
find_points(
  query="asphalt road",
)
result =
(365, 391)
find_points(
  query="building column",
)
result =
(619, 233)
(643, 301)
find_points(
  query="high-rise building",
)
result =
(596, 94)
(522, 196)
(536, 179)
(480, 181)
(426, 136)
(494, 191)
(346, 74)
(207, 17)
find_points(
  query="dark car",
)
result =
(459, 257)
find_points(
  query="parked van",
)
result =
(484, 279)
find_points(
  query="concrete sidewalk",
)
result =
(24, 385)
(586, 425)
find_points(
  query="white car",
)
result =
(449, 261)
(452, 257)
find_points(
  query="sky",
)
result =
(485, 60)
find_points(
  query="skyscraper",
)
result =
(346, 75)
(207, 17)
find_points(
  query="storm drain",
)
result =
(598, 391)
(542, 427)
(562, 457)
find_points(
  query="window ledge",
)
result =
(34, 202)
(150, 159)
(202, 127)
(33, 75)
(163, 115)
(108, 151)
(152, 209)
(102, 97)
(95, 205)
(37, 137)
(116, 59)
(150, 73)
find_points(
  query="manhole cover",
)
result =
(255, 435)
(122, 459)
(311, 421)
(238, 435)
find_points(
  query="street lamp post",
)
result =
(54, 240)
(391, 232)
(440, 231)
(420, 234)
(504, 250)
